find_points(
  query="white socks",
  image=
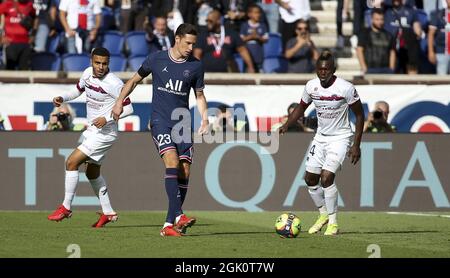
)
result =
(100, 189)
(70, 188)
(331, 202)
(318, 197)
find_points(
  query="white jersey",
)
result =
(101, 95)
(332, 105)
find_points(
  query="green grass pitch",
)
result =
(222, 234)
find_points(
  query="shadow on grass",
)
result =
(387, 232)
(229, 233)
(147, 226)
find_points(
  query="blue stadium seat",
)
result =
(275, 65)
(274, 46)
(53, 43)
(75, 62)
(117, 63)
(45, 61)
(113, 41)
(135, 62)
(108, 21)
(239, 62)
(136, 43)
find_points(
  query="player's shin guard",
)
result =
(171, 183)
(100, 189)
(183, 185)
(318, 197)
(331, 202)
(71, 182)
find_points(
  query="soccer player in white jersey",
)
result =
(102, 89)
(332, 97)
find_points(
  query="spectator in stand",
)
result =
(271, 14)
(160, 37)
(234, 12)
(376, 47)
(46, 16)
(291, 11)
(342, 15)
(19, 23)
(203, 8)
(438, 30)
(402, 22)
(132, 15)
(255, 34)
(176, 11)
(81, 20)
(301, 52)
(216, 48)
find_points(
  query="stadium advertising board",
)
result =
(414, 108)
(397, 172)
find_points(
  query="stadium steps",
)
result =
(327, 35)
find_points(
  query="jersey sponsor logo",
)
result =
(96, 89)
(330, 98)
(177, 87)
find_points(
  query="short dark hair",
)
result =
(253, 6)
(100, 51)
(186, 29)
(301, 20)
(327, 55)
(377, 11)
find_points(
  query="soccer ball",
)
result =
(288, 225)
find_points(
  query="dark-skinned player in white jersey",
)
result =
(334, 139)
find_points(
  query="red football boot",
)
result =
(105, 219)
(184, 222)
(59, 214)
(169, 231)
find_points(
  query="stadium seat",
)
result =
(239, 62)
(273, 47)
(113, 41)
(135, 62)
(275, 65)
(45, 61)
(75, 62)
(137, 44)
(53, 43)
(108, 21)
(117, 63)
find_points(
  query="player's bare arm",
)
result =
(298, 112)
(355, 151)
(126, 91)
(202, 108)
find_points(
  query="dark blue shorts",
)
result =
(164, 142)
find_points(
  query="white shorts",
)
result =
(96, 142)
(327, 155)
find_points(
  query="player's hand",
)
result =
(117, 110)
(57, 101)
(204, 128)
(354, 154)
(283, 129)
(99, 122)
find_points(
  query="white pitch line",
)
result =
(419, 214)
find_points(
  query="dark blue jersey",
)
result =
(172, 83)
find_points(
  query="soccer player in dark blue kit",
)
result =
(174, 73)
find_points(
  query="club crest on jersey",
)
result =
(177, 87)
(186, 73)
